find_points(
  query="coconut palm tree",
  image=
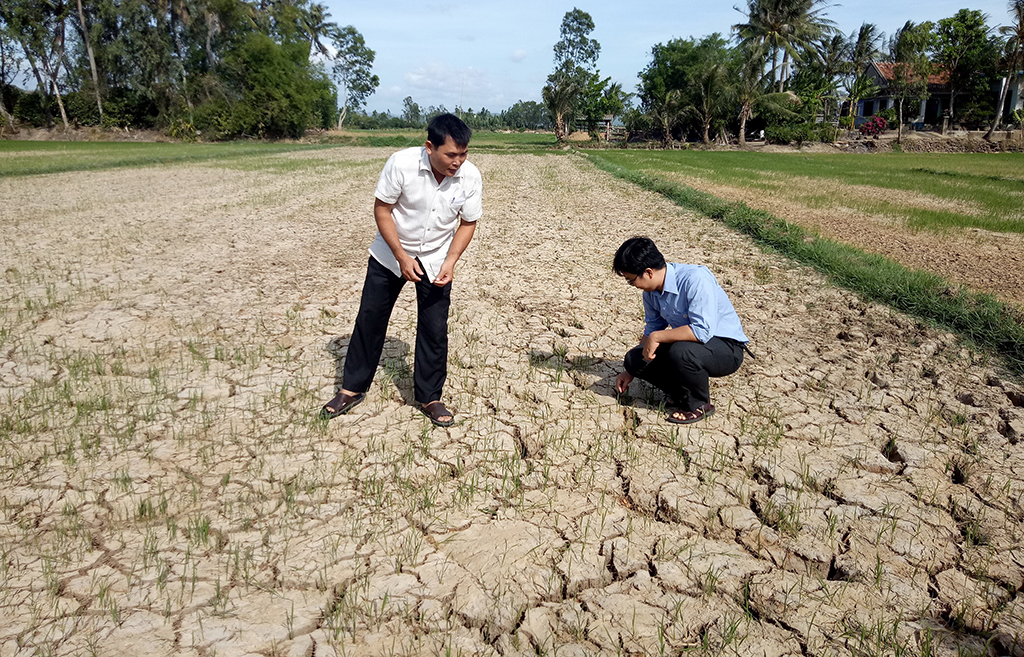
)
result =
(788, 26)
(559, 97)
(666, 110)
(1013, 55)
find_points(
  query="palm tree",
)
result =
(788, 26)
(712, 93)
(753, 94)
(614, 101)
(559, 97)
(666, 110)
(315, 24)
(1013, 54)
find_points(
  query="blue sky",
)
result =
(490, 54)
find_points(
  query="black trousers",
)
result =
(683, 369)
(380, 291)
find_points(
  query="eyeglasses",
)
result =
(632, 281)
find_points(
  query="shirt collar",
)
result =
(425, 164)
(671, 285)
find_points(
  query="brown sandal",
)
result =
(435, 410)
(340, 405)
(689, 417)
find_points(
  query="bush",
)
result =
(31, 111)
(799, 133)
(874, 126)
(891, 120)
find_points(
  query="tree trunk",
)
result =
(999, 108)
(899, 124)
(707, 127)
(743, 128)
(784, 71)
(92, 60)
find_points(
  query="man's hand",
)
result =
(410, 268)
(446, 274)
(650, 345)
(622, 382)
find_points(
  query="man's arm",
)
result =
(664, 336)
(463, 235)
(386, 225)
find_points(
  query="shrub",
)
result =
(31, 111)
(874, 126)
(890, 117)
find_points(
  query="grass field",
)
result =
(992, 183)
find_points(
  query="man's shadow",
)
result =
(394, 365)
(639, 394)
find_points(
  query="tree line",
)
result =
(223, 69)
(788, 71)
(211, 69)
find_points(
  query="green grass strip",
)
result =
(28, 158)
(979, 318)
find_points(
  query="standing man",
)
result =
(691, 330)
(428, 200)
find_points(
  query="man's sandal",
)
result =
(435, 410)
(340, 405)
(689, 417)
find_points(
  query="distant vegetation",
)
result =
(246, 69)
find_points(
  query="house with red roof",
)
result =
(929, 111)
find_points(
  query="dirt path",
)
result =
(169, 333)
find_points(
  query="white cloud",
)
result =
(518, 55)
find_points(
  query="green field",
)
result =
(992, 183)
(21, 158)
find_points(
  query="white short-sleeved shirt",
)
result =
(426, 213)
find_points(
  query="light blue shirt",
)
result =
(692, 297)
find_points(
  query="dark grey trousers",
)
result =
(683, 369)
(380, 292)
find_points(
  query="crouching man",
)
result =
(691, 330)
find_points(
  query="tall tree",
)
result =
(351, 70)
(574, 85)
(783, 26)
(1013, 59)
(10, 69)
(39, 28)
(908, 52)
(85, 35)
(962, 47)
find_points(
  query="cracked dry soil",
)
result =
(169, 333)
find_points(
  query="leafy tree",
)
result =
(1013, 58)
(574, 87)
(39, 28)
(10, 69)
(411, 112)
(526, 115)
(863, 48)
(681, 65)
(351, 69)
(908, 52)
(963, 48)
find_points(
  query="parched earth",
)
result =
(168, 335)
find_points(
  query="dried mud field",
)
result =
(168, 335)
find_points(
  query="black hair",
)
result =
(637, 255)
(448, 125)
